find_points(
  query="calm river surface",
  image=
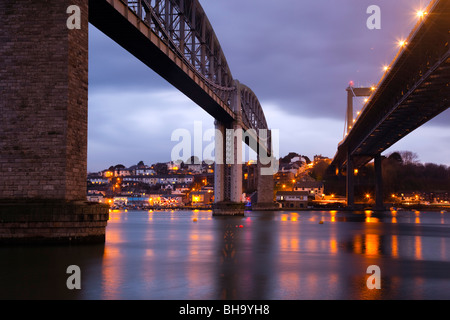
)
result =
(187, 255)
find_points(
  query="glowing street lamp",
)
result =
(402, 43)
(421, 14)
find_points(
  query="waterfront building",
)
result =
(293, 199)
(199, 198)
(314, 188)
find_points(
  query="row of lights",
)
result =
(401, 44)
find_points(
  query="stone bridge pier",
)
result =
(43, 131)
(228, 189)
(265, 187)
(228, 167)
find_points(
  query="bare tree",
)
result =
(409, 157)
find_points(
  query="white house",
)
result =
(314, 188)
(293, 199)
(144, 171)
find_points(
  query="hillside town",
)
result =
(180, 185)
(300, 183)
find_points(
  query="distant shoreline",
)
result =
(388, 207)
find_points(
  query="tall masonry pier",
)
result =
(229, 161)
(43, 132)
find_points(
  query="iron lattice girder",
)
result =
(252, 113)
(184, 26)
(254, 121)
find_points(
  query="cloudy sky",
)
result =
(298, 57)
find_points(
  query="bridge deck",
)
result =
(120, 23)
(415, 90)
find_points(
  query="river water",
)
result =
(189, 255)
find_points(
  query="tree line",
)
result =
(402, 173)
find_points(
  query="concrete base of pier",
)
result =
(269, 206)
(228, 209)
(52, 221)
(364, 206)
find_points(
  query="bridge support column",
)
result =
(228, 171)
(350, 183)
(43, 132)
(265, 188)
(219, 169)
(234, 144)
(228, 177)
(267, 166)
(379, 204)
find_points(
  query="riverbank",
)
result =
(357, 207)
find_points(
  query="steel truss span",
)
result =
(182, 32)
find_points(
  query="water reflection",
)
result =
(263, 256)
(228, 273)
(371, 243)
(39, 272)
(394, 246)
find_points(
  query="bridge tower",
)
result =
(43, 132)
(350, 183)
(353, 92)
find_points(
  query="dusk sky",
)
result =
(297, 56)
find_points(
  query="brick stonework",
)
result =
(43, 131)
(43, 105)
(266, 198)
(226, 208)
(52, 221)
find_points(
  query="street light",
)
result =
(421, 14)
(402, 43)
